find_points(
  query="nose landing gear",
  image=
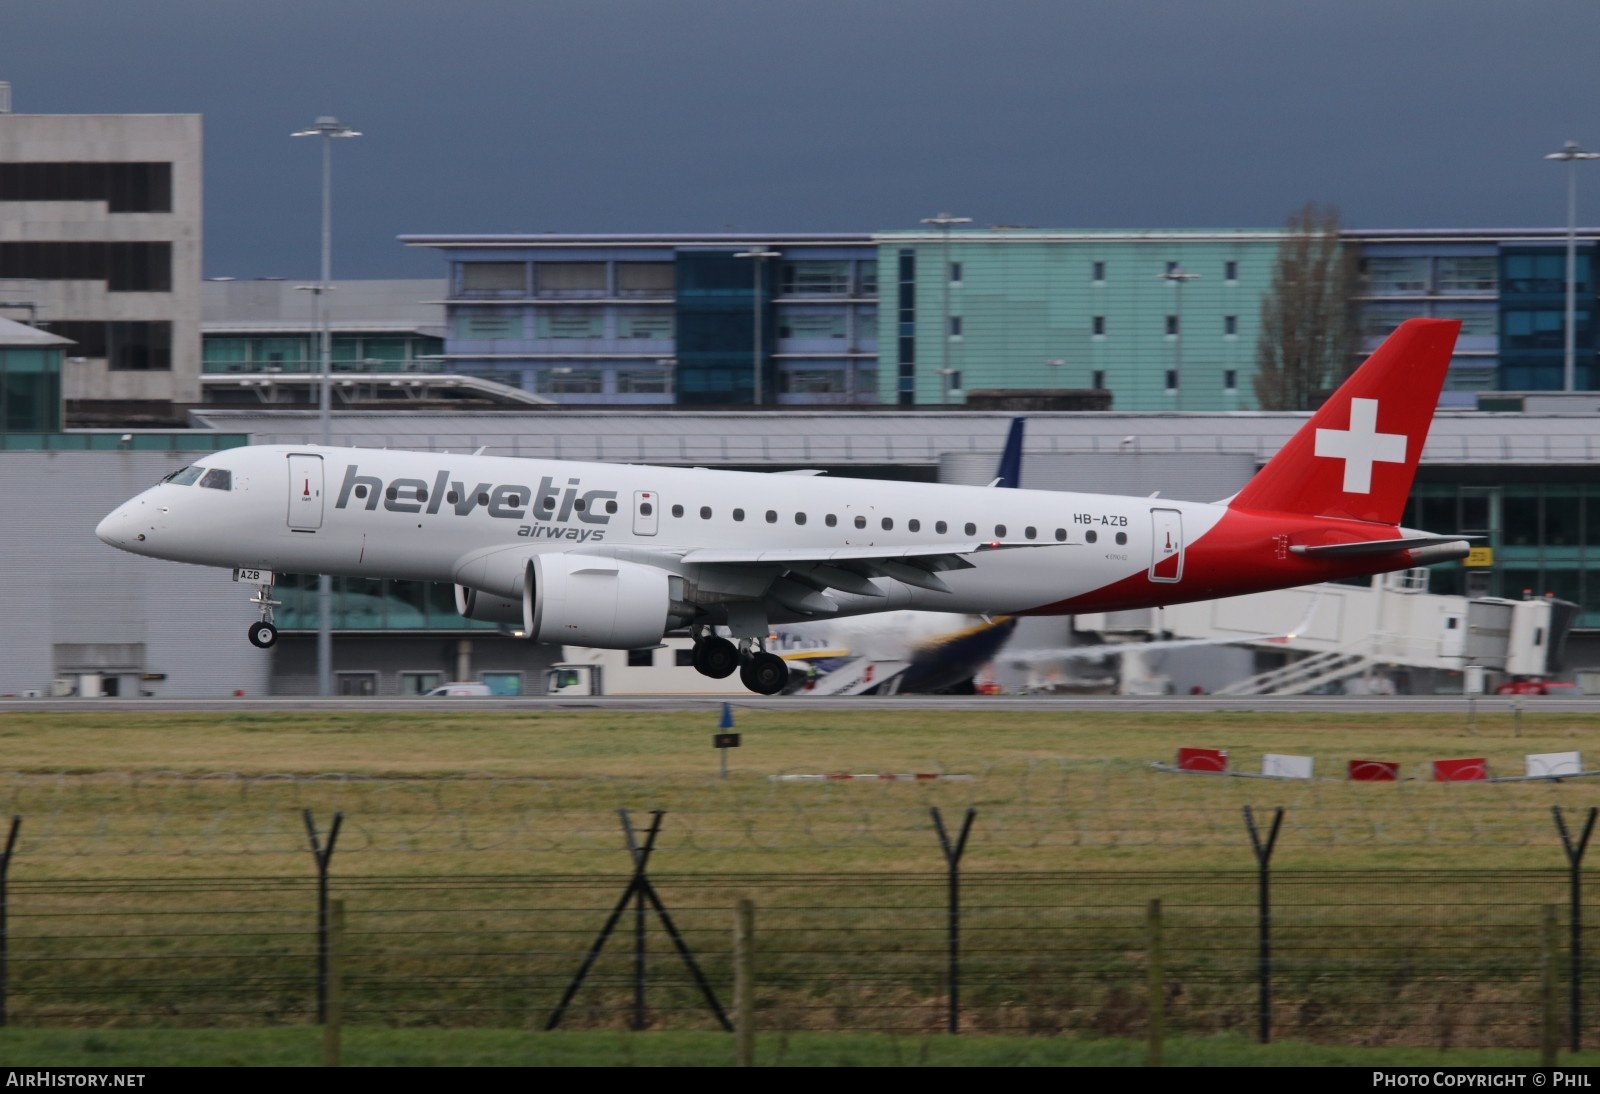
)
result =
(264, 633)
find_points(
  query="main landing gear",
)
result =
(263, 634)
(762, 672)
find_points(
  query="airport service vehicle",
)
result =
(459, 691)
(616, 555)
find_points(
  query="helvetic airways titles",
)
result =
(556, 505)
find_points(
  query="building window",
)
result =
(490, 327)
(867, 277)
(641, 659)
(1097, 379)
(1230, 380)
(1172, 379)
(124, 267)
(1098, 272)
(570, 278)
(1230, 325)
(955, 326)
(645, 278)
(1172, 267)
(493, 278)
(811, 322)
(124, 187)
(1230, 271)
(1389, 276)
(1470, 274)
(1172, 326)
(573, 323)
(652, 325)
(814, 278)
(955, 273)
(1099, 326)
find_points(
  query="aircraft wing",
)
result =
(808, 573)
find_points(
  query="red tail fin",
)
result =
(1357, 455)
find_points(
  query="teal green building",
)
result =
(1163, 320)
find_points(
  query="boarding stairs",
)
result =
(860, 676)
(1306, 674)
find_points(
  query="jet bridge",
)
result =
(1334, 632)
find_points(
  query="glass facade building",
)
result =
(659, 320)
(1158, 319)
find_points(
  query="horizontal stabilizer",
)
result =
(1382, 546)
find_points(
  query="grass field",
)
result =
(166, 854)
(103, 793)
(505, 1048)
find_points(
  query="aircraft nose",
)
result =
(116, 530)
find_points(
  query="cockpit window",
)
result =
(186, 476)
(218, 478)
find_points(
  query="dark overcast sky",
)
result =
(829, 115)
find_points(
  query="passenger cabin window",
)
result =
(1090, 536)
(861, 522)
(1061, 535)
(830, 520)
(705, 512)
(799, 518)
(914, 525)
(738, 514)
(186, 476)
(888, 524)
(940, 527)
(772, 516)
(677, 510)
(217, 479)
(1031, 532)
(1000, 530)
(972, 529)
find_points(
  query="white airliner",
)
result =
(615, 555)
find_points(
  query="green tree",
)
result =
(1308, 317)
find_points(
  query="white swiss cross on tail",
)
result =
(1361, 446)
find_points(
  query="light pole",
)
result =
(760, 255)
(944, 222)
(1570, 154)
(328, 128)
(1177, 275)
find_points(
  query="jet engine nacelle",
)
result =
(580, 600)
(477, 604)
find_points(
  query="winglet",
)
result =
(1357, 455)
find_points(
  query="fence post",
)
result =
(639, 1017)
(952, 858)
(5, 903)
(1158, 989)
(334, 1026)
(1263, 851)
(744, 983)
(323, 856)
(1549, 1010)
(1575, 851)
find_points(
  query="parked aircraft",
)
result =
(616, 555)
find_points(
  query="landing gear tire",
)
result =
(715, 657)
(263, 635)
(764, 674)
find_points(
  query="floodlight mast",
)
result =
(1571, 154)
(329, 128)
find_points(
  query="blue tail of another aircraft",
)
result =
(1009, 473)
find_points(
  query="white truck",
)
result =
(663, 670)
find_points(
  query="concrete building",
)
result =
(100, 230)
